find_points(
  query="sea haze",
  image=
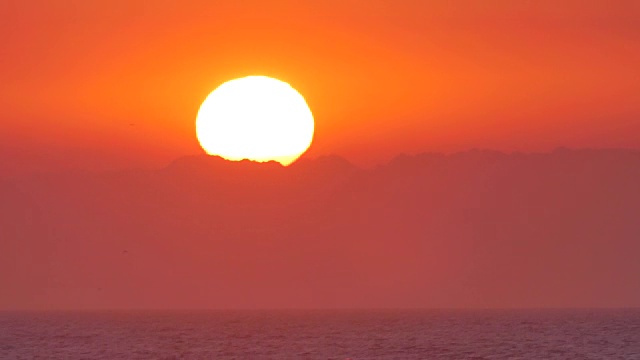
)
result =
(323, 334)
(477, 229)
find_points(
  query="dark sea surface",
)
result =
(320, 334)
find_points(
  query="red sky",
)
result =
(113, 84)
(107, 84)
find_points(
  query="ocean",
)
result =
(322, 334)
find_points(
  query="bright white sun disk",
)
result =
(256, 118)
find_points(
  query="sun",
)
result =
(257, 118)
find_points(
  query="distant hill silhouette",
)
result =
(472, 229)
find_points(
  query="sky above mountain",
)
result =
(115, 84)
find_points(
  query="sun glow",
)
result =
(257, 118)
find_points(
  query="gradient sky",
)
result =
(115, 83)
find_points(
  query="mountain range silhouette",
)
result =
(471, 229)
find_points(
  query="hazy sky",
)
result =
(118, 83)
(112, 84)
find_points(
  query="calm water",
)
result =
(559, 334)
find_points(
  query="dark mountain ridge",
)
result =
(473, 229)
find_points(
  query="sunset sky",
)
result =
(520, 121)
(118, 83)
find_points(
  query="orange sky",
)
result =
(122, 80)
